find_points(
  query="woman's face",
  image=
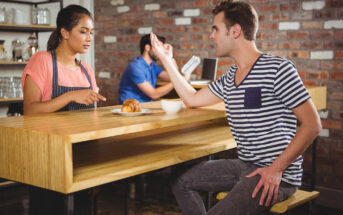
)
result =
(80, 37)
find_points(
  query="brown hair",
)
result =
(67, 18)
(239, 13)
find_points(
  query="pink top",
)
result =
(39, 68)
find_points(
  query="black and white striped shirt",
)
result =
(259, 111)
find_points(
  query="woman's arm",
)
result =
(33, 95)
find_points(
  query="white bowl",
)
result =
(171, 106)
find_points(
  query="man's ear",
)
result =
(147, 47)
(236, 30)
(64, 33)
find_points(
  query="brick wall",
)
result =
(310, 33)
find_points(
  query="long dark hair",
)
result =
(67, 18)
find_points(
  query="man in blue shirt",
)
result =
(140, 76)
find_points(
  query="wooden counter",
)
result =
(318, 96)
(71, 151)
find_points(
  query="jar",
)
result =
(17, 50)
(2, 15)
(46, 16)
(2, 51)
(42, 16)
(33, 45)
(34, 16)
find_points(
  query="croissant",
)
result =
(131, 105)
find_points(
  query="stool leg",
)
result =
(126, 196)
(68, 204)
(209, 200)
(93, 193)
(209, 193)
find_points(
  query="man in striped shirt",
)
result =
(264, 97)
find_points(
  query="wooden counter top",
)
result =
(86, 125)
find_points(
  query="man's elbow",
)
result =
(189, 104)
(154, 97)
(317, 127)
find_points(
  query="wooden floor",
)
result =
(158, 200)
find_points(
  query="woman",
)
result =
(54, 80)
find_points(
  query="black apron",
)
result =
(59, 90)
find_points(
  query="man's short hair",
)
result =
(146, 40)
(239, 13)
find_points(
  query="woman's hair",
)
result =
(239, 13)
(67, 18)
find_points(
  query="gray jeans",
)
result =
(217, 176)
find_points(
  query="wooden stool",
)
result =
(298, 198)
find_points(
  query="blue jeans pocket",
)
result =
(252, 98)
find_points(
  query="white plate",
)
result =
(143, 111)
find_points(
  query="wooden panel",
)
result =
(102, 161)
(35, 158)
(26, 28)
(318, 96)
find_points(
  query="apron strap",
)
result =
(87, 75)
(54, 74)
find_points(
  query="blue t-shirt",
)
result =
(137, 72)
(259, 111)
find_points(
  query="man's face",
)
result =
(152, 55)
(221, 36)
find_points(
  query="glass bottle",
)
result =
(2, 15)
(34, 16)
(33, 44)
(17, 50)
(2, 51)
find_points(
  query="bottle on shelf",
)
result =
(2, 51)
(32, 45)
(17, 50)
(2, 15)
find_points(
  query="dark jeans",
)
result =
(217, 176)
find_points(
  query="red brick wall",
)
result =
(310, 33)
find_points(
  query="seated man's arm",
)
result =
(155, 93)
(163, 76)
(310, 126)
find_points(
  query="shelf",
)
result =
(26, 28)
(11, 99)
(12, 63)
(111, 159)
(32, 2)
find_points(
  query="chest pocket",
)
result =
(252, 98)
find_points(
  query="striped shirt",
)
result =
(259, 111)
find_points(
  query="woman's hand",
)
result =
(86, 97)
